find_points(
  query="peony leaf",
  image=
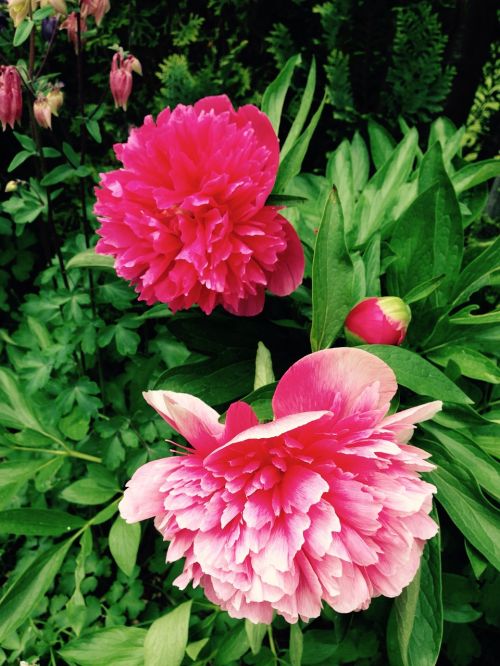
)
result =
(116, 646)
(302, 113)
(415, 627)
(263, 367)
(296, 645)
(332, 277)
(87, 492)
(233, 648)
(167, 638)
(124, 541)
(381, 143)
(38, 522)
(90, 259)
(475, 174)
(274, 95)
(255, 634)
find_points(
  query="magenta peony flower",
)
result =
(186, 217)
(325, 503)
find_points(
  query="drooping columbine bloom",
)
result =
(120, 79)
(186, 217)
(383, 321)
(20, 9)
(95, 8)
(11, 99)
(324, 503)
(42, 112)
(55, 98)
(70, 24)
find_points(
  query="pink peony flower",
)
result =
(186, 217)
(324, 503)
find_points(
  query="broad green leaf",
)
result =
(23, 595)
(260, 401)
(371, 260)
(90, 259)
(428, 242)
(465, 317)
(381, 192)
(274, 95)
(167, 638)
(94, 130)
(38, 522)
(19, 159)
(296, 645)
(431, 168)
(19, 471)
(418, 375)
(360, 161)
(285, 200)
(58, 175)
(15, 406)
(116, 646)
(339, 172)
(88, 492)
(444, 131)
(26, 142)
(472, 363)
(302, 113)
(233, 647)
(381, 143)
(474, 174)
(194, 649)
(415, 627)
(332, 276)
(255, 635)
(292, 163)
(263, 367)
(23, 31)
(124, 543)
(478, 273)
(477, 561)
(423, 290)
(215, 381)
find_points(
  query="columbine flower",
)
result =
(11, 99)
(325, 503)
(95, 8)
(70, 24)
(20, 9)
(186, 217)
(382, 321)
(59, 6)
(120, 79)
(55, 98)
(42, 112)
(49, 27)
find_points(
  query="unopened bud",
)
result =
(49, 27)
(134, 64)
(42, 111)
(11, 186)
(55, 98)
(382, 321)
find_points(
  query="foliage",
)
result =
(77, 349)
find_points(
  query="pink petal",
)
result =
(143, 498)
(402, 423)
(289, 269)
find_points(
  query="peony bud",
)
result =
(382, 321)
(49, 27)
(120, 80)
(43, 114)
(20, 9)
(55, 98)
(11, 99)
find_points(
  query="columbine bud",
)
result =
(11, 186)
(58, 5)
(19, 9)
(49, 27)
(55, 98)
(95, 8)
(120, 80)
(11, 99)
(134, 64)
(381, 321)
(43, 114)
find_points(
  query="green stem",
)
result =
(271, 641)
(67, 452)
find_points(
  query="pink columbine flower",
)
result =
(382, 321)
(42, 112)
(11, 99)
(120, 79)
(324, 503)
(95, 8)
(186, 217)
(70, 24)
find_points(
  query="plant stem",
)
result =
(55, 452)
(271, 640)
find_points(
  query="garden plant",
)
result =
(249, 404)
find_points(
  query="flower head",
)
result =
(70, 24)
(95, 8)
(20, 9)
(324, 503)
(55, 98)
(186, 217)
(120, 80)
(42, 112)
(382, 320)
(11, 99)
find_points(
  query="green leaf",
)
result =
(274, 95)
(472, 363)
(464, 317)
(474, 174)
(194, 649)
(15, 411)
(71, 155)
(90, 259)
(26, 142)
(38, 522)
(296, 645)
(332, 277)
(302, 113)
(415, 627)
(255, 635)
(19, 471)
(88, 492)
(19, 159)
(233, 648)
(263, 367)
(260, 401)
(360, 161)
(167, 638)
(418, 375)
(124, 543)
(23, 595)
(285, 200)
(339, 172)
(423, 290)
(477, 274)
(215, 381)
(292, 163)
(58, 175)
(23, 31)
(428, 242)
(94, 130)
(381, 143)
(116, 646)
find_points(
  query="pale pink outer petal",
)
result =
(143, 498)
(402, 423)
(290, 266)
(321, 378)
(190, 416)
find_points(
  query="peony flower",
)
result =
(381, 321)
(324, 503)
(11, 98)
(186, 217)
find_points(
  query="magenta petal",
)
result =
(290, 266)
(333, 379)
